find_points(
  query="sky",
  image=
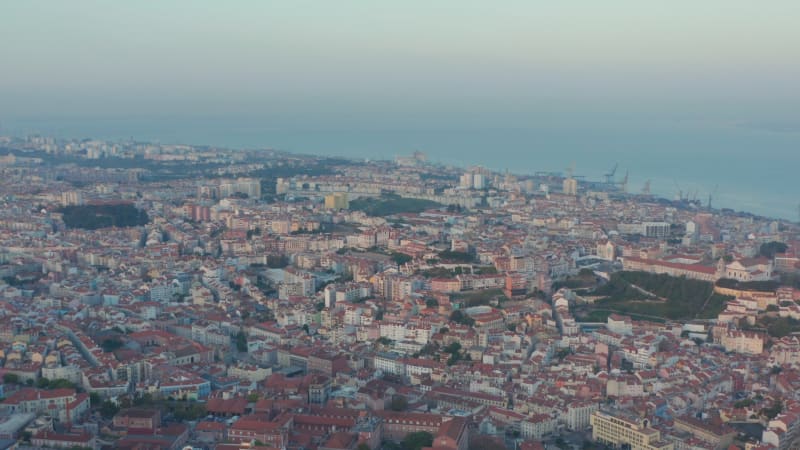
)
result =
(446, 64)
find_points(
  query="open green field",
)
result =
(387, 205)
(655, 296)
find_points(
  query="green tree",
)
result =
(241, 342)
(10, 378)
(773, 411)
(399, 403)
(417, 440)
(390, 445)
(770, 249)
(400, 258)
(108, 409)
(144, 399)
(277, 261)
(110, 344)
(363, 446)
(782, 326)
(458, 316)
(190, 411)
(453, 359)
(92, 217)
(456, 256)
(453, 347)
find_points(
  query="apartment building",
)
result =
(635, 434)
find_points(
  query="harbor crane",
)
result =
(711, 196)
(623, 185)
(680, 192)
(610, 175)
(571, 172)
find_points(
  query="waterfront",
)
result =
(754, 169)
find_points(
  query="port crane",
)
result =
(623, 185)
(610, 175)
(571, 172)
(711, 196)
(680, 192)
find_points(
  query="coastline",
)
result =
(762, 186)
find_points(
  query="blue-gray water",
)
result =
(755, 168)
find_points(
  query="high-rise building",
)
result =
(466, 180)
(570, 186)
(249, 186)
(337, 200)
(656, 229)
(71, 198)
(478, 181)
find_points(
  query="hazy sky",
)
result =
(381, 64)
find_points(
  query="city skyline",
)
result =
(418, 225)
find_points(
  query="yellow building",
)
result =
(747, 342)
(618, 431)
(336, 200)
(570, 186)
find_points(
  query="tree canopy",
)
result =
(417, 440)
(92, 217)
(770, 249)
(660, 295)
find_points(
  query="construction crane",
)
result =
(646, 188)
(680, 191)
(711, 196)
(571, 170)
(623, 185)
(610, 175)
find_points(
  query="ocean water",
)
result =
(749, 168)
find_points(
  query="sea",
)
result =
(742, 167)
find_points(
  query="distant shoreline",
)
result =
(761, 186)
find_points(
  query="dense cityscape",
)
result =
(174, 296)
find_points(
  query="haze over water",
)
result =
(688, 94)
(685, 158)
